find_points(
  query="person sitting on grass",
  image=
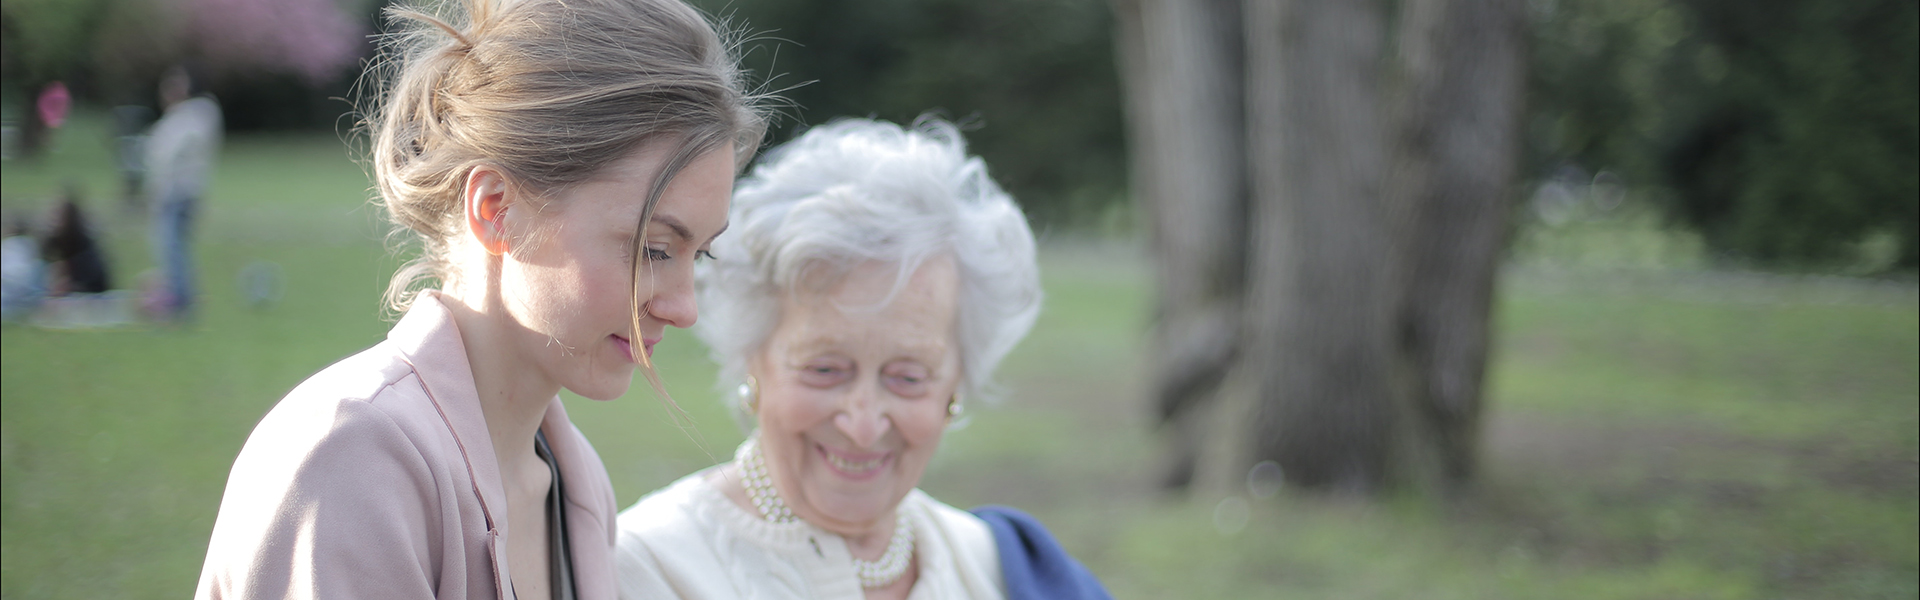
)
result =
(563, 163)
(873, 278)
(23, 277)
(75, 263)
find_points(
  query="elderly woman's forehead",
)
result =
(838, 276)
(815, 340)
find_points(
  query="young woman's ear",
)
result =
(486, 197)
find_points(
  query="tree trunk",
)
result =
(1180, 61)
(1457, 123)
(1322, 286)
(1327, 221)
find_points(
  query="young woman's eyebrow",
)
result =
(680, 230)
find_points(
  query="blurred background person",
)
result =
(75, 262)
(873, 279)
(130, 127)
(180, 156)
(23, 278)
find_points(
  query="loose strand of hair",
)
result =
(691, 147)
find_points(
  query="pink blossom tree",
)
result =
(312, 39)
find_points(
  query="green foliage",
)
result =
(46, 39)
(1785, 131)
(1033, 80)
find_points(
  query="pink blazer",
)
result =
(376, 478)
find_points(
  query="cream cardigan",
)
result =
(689, 541)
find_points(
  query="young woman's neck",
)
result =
(513, 394)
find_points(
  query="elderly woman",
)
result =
(872, 279)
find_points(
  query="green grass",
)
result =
(1653, 433)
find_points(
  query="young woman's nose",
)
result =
(673, 299)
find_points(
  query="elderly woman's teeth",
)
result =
(854, 466)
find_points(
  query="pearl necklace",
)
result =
(873, 574)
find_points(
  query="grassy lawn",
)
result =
(1653, 434)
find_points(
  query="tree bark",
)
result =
(1328, 221)
(1180, 61)
(1322, 285)
(1456, 147)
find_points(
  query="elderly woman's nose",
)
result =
(862, 418)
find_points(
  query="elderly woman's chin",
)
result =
(854, 503)
(853, 509)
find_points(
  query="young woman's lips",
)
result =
(626, 347)
(647, 345)
(856, 466)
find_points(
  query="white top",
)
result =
(20, 264)
(689, 541)
(181, 150)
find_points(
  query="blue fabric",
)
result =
(1032, 563)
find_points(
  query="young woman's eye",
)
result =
(703, 255)
(656, 254)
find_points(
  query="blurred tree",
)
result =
(309, 39)
(1374, 187)
(42, 41)
(1783, 130)
(1321, 285)
(1184, 94)
(136, 41)
(46, 40)
(1805, 132)
(1458, 97)
(113, 50)
(1033, 80)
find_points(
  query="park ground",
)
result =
(1656, 429)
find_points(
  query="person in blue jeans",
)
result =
(180, 155)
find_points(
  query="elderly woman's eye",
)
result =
(907, 381)
(824, 374)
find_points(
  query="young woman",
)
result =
(563, 163)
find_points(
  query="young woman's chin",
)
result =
(604, 384)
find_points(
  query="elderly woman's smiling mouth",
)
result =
(859, 466)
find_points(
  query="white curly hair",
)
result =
(859, 190)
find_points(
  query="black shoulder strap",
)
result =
(560, 563)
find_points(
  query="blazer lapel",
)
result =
(429, 340)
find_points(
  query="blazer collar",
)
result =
(429, 340)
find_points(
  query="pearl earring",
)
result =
(955, 406)
(749, 394)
